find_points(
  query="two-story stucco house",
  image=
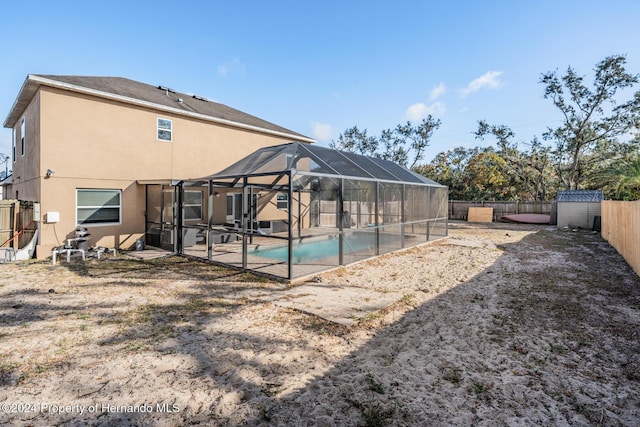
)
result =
(83, 147)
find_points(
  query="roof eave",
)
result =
(25, 95)
(32, 83)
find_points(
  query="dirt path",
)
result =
(505, 324)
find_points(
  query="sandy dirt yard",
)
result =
(496, 325)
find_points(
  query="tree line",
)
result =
(596, 146)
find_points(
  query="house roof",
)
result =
(157, 97)
(7, 180)
(580, 196)
(301, 158)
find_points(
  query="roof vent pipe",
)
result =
(166, 90)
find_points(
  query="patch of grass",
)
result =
(373, 413)
(374, 385)
(7, 367)
(266, 414)
(369, 318)
(317, 324)
(270, 389)
(480, 390)
(135, 346)
(408, 300)
(38, 369)
(453, 375)
(557, 348)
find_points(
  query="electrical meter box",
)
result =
(36, 212)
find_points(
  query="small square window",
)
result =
(282, 201)
(165, 128)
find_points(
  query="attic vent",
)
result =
(166, 89)
(200, 98)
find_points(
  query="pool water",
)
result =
(313, 250)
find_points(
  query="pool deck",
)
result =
(230, 254)
(264, 265)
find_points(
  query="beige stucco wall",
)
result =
(59, 195)
(26, 168)
(119, 140)
(94, 143)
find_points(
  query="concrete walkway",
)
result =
(149, 253)
(345, 305)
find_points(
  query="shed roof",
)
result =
(580, 196)
(158, 97)
(296, 157)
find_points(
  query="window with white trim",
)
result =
(288, 160)
(13, 141)
(165, 129)
(22, 135)
(192, 205)
(98, 206)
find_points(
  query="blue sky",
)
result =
(321, 67)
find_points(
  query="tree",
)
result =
(593, 120)
(448, 168)
(396, 144)
(356, 141)
(487, 177)
(414, 139)
(531, 170)
(622, 180)
(472, 174)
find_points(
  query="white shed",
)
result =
(578, 208)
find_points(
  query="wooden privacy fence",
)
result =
(458, 209)
(621, 228)
(17, 226)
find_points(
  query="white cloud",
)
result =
(321, 131)
(437, 92)
(234, 66)
(420, 110)
(489, 80)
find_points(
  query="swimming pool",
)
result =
(308, 251)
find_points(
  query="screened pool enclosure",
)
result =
(297, 209)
